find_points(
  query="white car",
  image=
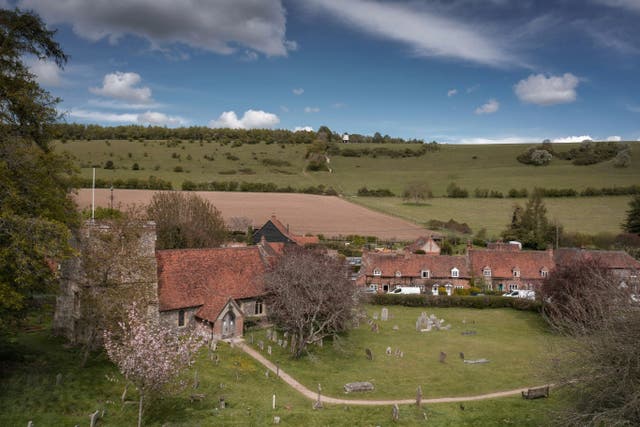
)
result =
(521, 294)
(405, 290)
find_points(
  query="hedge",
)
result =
(480, 302)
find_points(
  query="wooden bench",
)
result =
(536, 393)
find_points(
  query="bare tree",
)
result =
(417, 191)
(186, 221)
(598, 366)
(311, 296)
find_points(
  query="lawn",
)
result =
(29, 390)
(580, 214)
(515, 342)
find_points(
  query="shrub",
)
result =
(135, 167)
(109, 165)
(378, 192)
(479, 302)
(178, 169)
(454, 191)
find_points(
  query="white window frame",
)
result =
(373, 286)
(516, 272)
(455, 272)
(377, 272)
(449, 288)
(398, 274)
(544, 272)
(486, 272)
(425, 274)
(513, 286)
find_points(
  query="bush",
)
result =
(454, 191)
(135, 167)
(479, 302)
(378, 192)
(109, 165)
(178, 169)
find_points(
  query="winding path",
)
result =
(327, 399)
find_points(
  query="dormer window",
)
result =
(516, 272)
(544, 272)
(425, 274)
(486, 272)
(398, 274)
(455, 272)
(377, 272)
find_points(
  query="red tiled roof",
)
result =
(300, 240)
(608, 259)
(208, 277)
(411, 265)
(502, 263)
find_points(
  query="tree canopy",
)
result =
(632, 223)
(530, 225)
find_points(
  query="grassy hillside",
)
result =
(486, 166)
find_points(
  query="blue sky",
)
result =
(469, 71)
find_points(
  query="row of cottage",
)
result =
(216, 290)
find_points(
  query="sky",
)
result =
(456, 71)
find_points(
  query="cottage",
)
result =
(274, 231)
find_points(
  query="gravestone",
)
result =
(462, 355)
(251, 338)
(396, 327)
(358, 386)
(369, 354)
(395, 412)
(468, 332)
(196, 381)
(261, 345)
(274, 336)
(94, 418)
(268, 334)
(276, 420)
(279, 343)
(388, 351)
(384, 315)
(375, 316)
(375, 328)
(401, 354)
(320, 342)
(419, 396)
(269, 350)
(443, 357)
(266, 373)
(285, 335)
(284, 344)
(221, 403)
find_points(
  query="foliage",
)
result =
(480, 302)
(310, 296)
(455, 191)
(417, 191)
(599, 368)
(632, 222)
(622, 159)
(256, 187)
(151, 183)
(148, 355)
(451, 225)
(535, 156)
(186, 221)
(530, 225)
(377, 192)
(590, 152)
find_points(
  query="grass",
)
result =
(470, 166)
(580, 214)
(513, 341)
(29, 391)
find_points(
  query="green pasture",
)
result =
(30, 365)
(516, 344)
(590, 215)
(471, 166)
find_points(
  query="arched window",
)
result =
(181, 318)
(455, 272)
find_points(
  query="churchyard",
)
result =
(47, 385)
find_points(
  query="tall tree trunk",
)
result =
(140, 411)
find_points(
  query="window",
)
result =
(373, 287)
(385, 288)
(181, 318)
(425, 274)
(455, 272)
(459, 287)
(486, 272)
(513, 287)
(449, 288)
(516, 272)
(434, 289)
(544, 272)
(398, 274)
(257, 308)
(377, 272)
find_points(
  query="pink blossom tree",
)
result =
(147, 354)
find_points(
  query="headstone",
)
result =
(401, 354)
(266, 373)
(462, 355)
(214, 345)
(276, 420)
(222, 404)
(196, 381)
(269, 350)
(94, 418)
(318, 403)
(384, 315)
(443, 357)
(261, 345)
(358, 386)
(375, 328)
(273, 402)
(419, 396)
(369, 354)
(30, 424)
(395, 412)
(58, 379)
(396, 327)
(274, 336)
(375, 316)
(251, 338)
(320, 342)
(388, 351)
(279, 343)
(285, 335)
(268, 334)
(284, 344)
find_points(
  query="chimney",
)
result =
(263, 240)
(287, 228)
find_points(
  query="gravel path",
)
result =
(326, 399)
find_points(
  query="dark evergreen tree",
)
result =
(632, 223)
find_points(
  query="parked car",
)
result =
(522, 293)
(405, 290)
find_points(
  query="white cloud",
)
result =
(303, 129)
(118, 105)
(252, 119)
(339, 105)
(573, 138)
(155, 118)
(427, 33)
(632, 5)
(452, 92)
(298, 91)
(490, 107)
(99, 116)
(152, 118)
(122, 86)
(213, 25)
(542, 90)
(614, 138)
(311, 109)
(47, 73)
(505, 140)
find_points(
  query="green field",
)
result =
(590, 215)
(471, 166)
(29, 390)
